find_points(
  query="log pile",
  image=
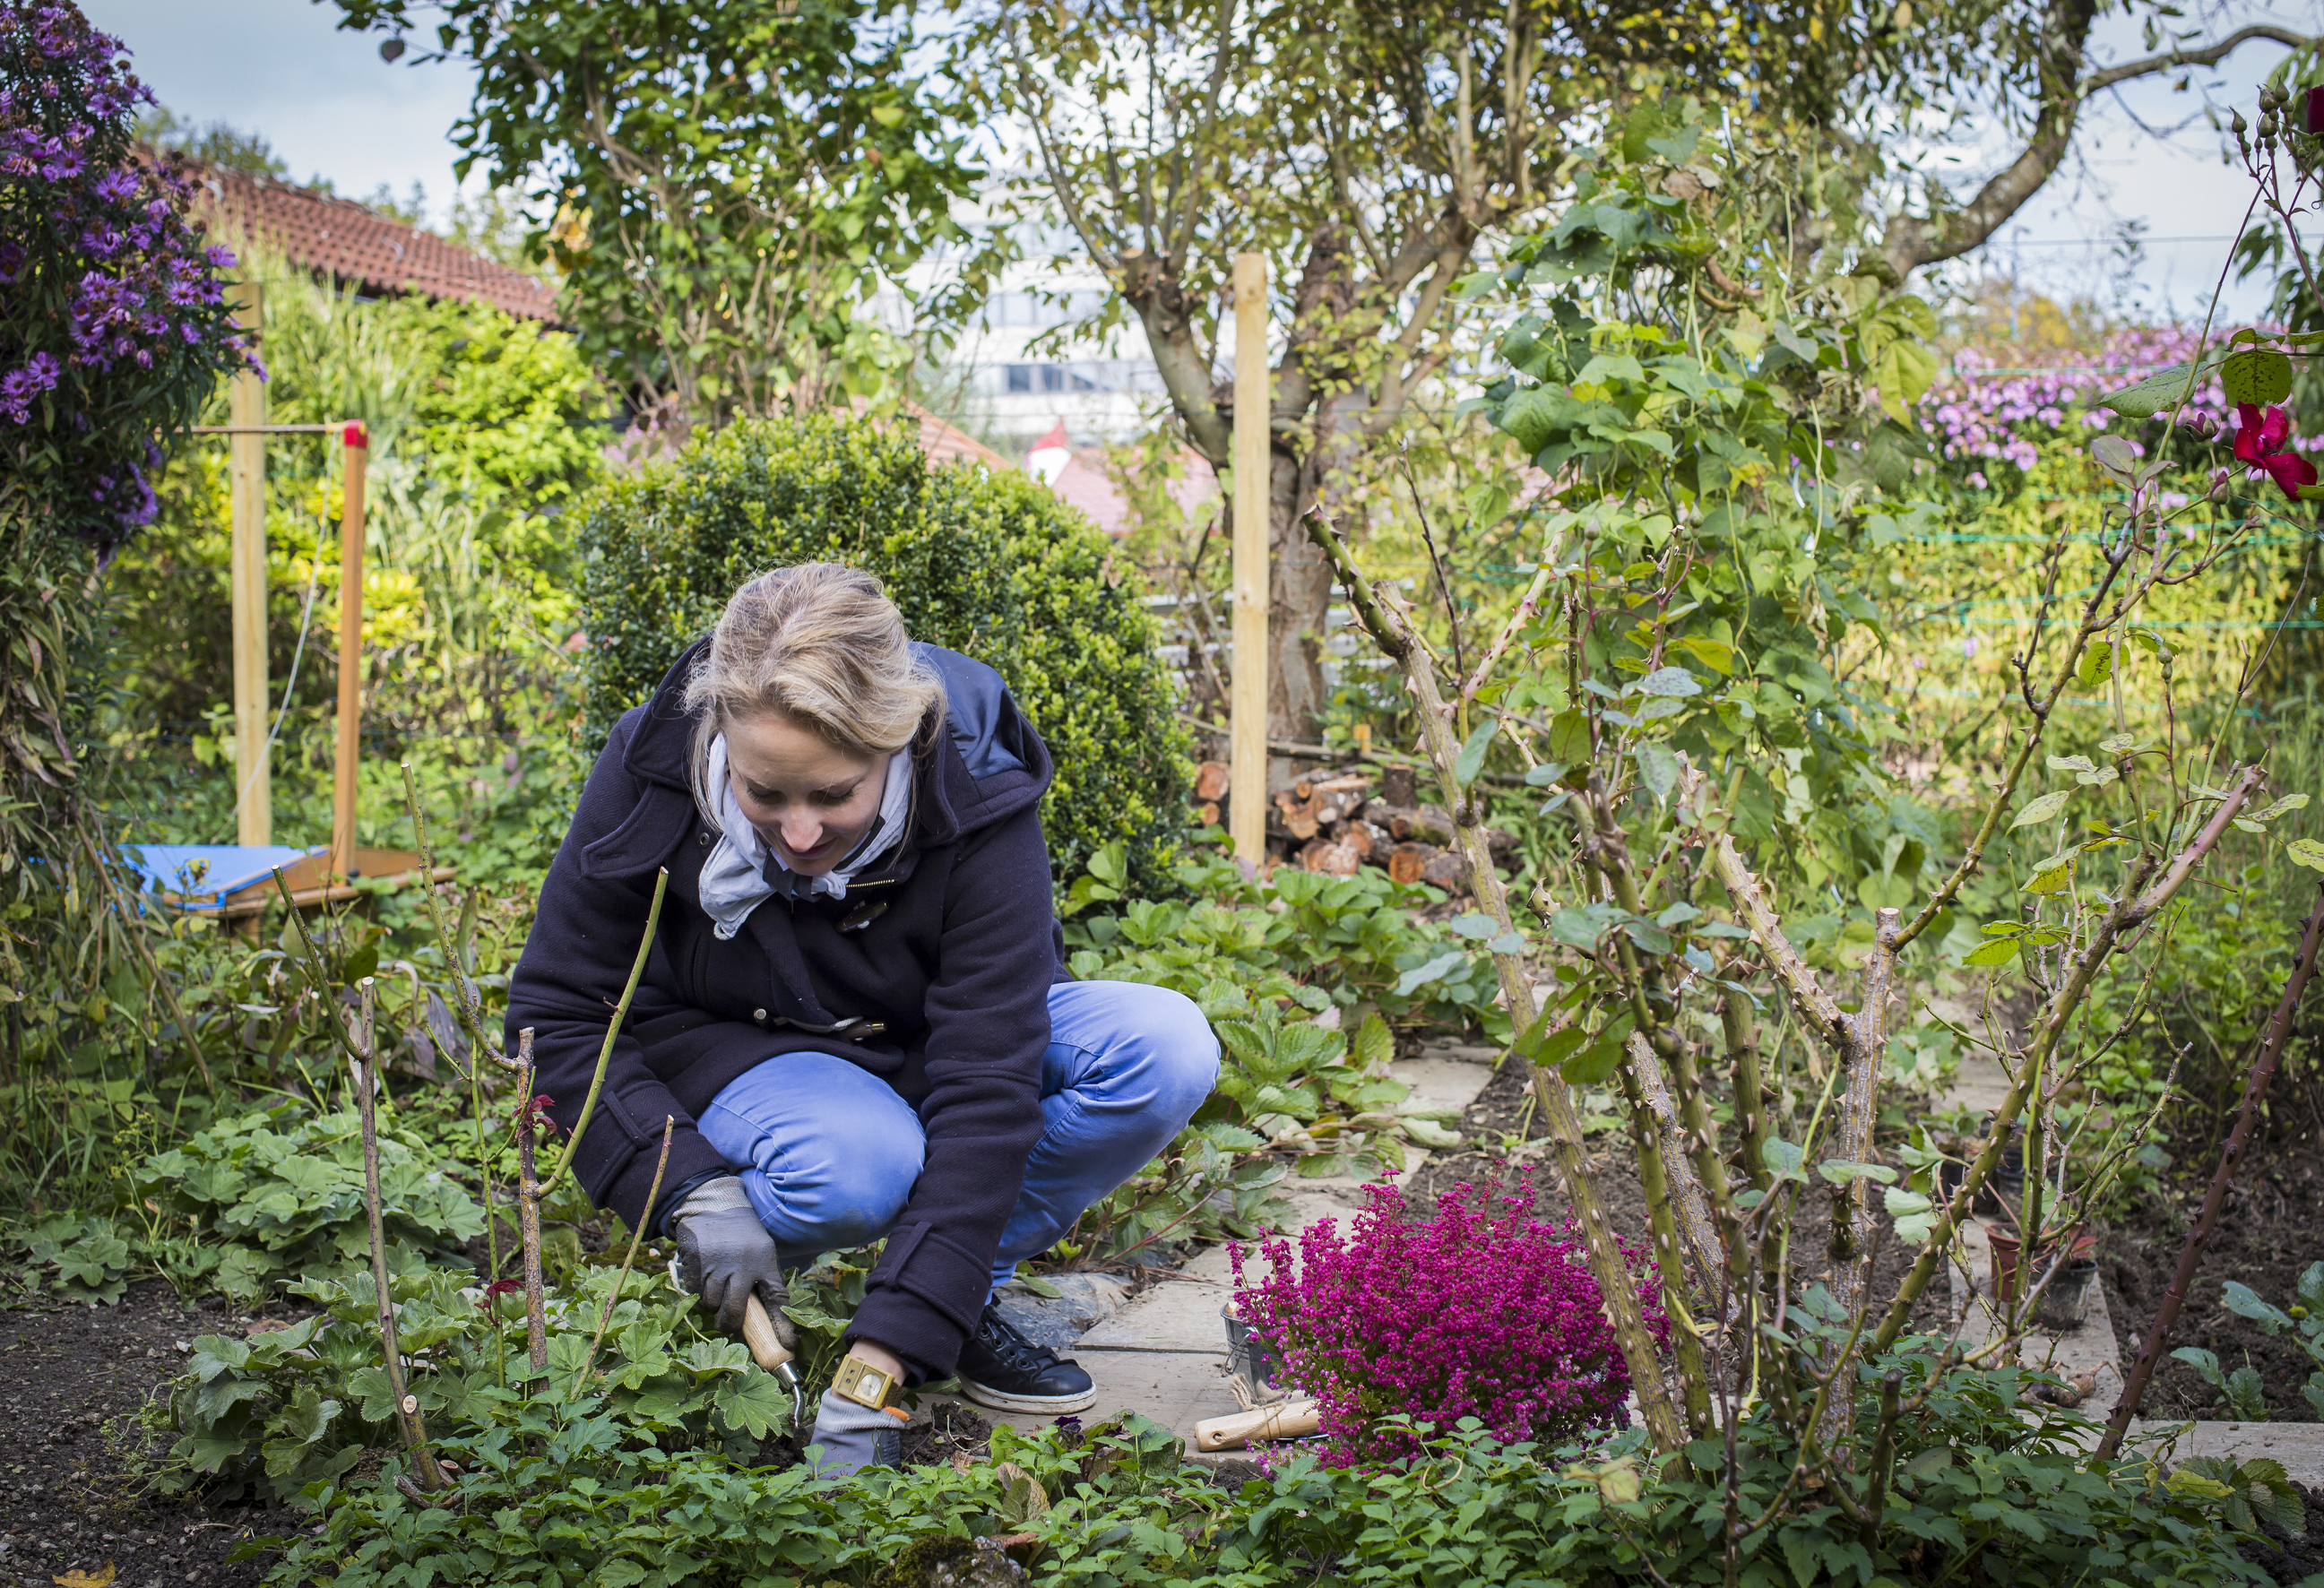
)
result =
(1336, 821)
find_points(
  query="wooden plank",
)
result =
(357, 450)
(246, 493)
(1247, 721)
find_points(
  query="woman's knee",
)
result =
(1162, 1039)
(834, 1158)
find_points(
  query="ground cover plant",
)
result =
(1832, 767)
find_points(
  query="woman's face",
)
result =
(810, 800)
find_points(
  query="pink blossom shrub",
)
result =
(1481, 1310)
(1982, 412)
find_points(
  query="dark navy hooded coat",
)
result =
(933, 972)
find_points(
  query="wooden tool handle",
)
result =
(758, 1334)
(1285, 1420)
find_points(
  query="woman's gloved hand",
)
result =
(725, 1253)
(853, 1436)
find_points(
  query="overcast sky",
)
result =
(333, 109)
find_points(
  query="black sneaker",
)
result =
(1000, 1368)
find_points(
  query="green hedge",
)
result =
(992, 565)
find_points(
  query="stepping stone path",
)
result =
(1164, 1353)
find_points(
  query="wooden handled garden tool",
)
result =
(766, 1345)
(1286, 1420)
(767, 1351)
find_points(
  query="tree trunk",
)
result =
(1299, 599)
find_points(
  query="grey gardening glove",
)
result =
(725, 1253)
(854, 1437)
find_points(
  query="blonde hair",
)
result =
(822, 644)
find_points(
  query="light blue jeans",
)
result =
(828, 1153)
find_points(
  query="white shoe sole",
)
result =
(999, 1400)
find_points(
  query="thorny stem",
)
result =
(2263, 1071)
(361, 1062)
(1382, 614)
(527, 1208)
(637, 1236)
(470, 1015)
(1662, 1228)
(613, 1034)
(2134, 908)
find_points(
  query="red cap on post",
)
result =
(354, 435)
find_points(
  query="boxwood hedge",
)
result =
(988, 563)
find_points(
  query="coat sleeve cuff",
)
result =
(924, 1297)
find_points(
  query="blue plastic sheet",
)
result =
(204, 873)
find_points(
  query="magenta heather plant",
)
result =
(1481, 1310)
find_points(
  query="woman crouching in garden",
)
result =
(856, 1008)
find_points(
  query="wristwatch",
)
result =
(867, 1386)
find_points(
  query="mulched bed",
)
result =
(2272, 1228)
(2287, 1559)
(72, 1381)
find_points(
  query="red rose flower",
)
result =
(2259, 442)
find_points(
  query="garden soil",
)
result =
(77, 1495)
(2272, 1228)
(73, 1381)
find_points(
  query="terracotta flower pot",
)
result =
(2066, 1298)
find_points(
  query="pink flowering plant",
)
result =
(113, 324)
(1988, 420)
(1480, 1310)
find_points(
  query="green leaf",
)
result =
(1592, 1064)
(1782, 1159)
(1675, 682)
(2096, 665)
(2146, 398)
(2114, 454)
(753, 1403)
(1986, 956)
(2042, 809)
(1435, 970)
(1471, 759)
(1657, 770)
(1041, 1287)
(1905, 371)
(1840, 1171)
(2306, 852)
(2257, 374)
(1914, 1215)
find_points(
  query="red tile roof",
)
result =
(322, 233)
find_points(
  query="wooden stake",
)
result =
(356, 448)
(246, 490)
(1247, 720)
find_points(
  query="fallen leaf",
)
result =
(103, 1579)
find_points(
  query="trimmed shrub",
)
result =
(990, 565)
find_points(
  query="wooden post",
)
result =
(246, 490)
(1247, 719)
(355, 449)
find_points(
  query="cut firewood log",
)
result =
(1368, 841)
(1329, 859)
(1400, 785)
(1208, 811)
(1298, 813)
(1446, 868)
(1428, 824)
(1406, 862)
(1211, 780)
